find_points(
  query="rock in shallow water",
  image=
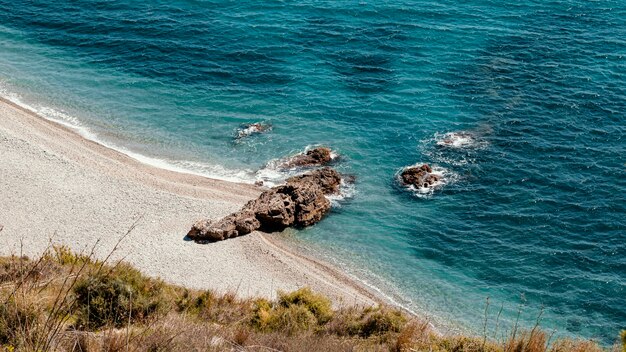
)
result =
(419, 176)
(250, 129)
(314, 157)
(300, 202)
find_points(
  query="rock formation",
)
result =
(419, 176)
(314, 157)
(300, 202)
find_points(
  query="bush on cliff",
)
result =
(116, 297)
(294, 312)
(67, 302)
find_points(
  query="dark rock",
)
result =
(314, 157)
(326, 178)
(246, 222)
(419, 176)
(300, 202)
(275, 211)
(311, 204)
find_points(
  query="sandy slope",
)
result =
(56, 185)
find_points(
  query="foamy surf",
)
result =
(275, 173)
(182, 166)
(459, 140)
(445, 177)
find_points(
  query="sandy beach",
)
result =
(58, 187)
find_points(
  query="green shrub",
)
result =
(194, 305)
(623, 336)
(298, 311)
(318, 305)
(116, 297)
(377, 322)
(262, 314)
(291, 320)
(64, 256)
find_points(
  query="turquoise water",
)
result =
(533, 213)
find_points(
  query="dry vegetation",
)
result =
(68, 302)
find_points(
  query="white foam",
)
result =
(460, 139)
(347, 190)
(275, 173)
(254, 128)
(182, 166)
(445, 177)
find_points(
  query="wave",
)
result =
(213, 171)
(459, 140)
(275, 173)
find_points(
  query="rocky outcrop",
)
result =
(300, 202)
(419, 176)
(315, 157)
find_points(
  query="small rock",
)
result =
(419, 176)
(250, 129)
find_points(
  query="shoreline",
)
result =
(62, 188)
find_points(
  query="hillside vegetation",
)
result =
(68, 302)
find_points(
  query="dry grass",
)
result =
(67, 302)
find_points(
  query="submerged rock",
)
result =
(419, 176)
(315, 157)
(300, 202)
(250, 129)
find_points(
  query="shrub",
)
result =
(376, 321)
(64, 256)
(318, 305)
(115, 297)
(194, 305)
(262, 314)
(292, 319)
(298, 311)
(623, 336)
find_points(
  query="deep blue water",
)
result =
(533, 216)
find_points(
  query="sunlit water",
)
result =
(532, 213)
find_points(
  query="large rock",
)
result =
(419, 176)
(315, 157)
(326, 178)
(300, 202)
(274, 210)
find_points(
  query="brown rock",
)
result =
(300, 202)
(326, 178)
(419, 176)
(199, 229)
(246, 222)
(311, 205)
(314, 157)
(274, 210)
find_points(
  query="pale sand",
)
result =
(56, 185)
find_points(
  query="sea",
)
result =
(520, 106)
